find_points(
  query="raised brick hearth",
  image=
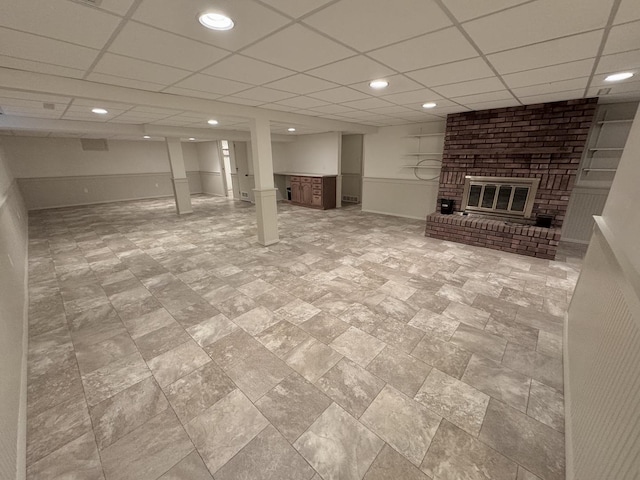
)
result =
(485, 232)
(544, 141)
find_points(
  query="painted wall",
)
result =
(318, 153)
(210, 166)
(13, 324)
(55, 172)
(351, 165)
(391, 188)
(602, 353)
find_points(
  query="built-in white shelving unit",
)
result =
(430, 160)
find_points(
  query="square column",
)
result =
(265, 193)
(179, 180)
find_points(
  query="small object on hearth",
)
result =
(446, 206)
(544, 221)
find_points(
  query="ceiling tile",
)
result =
(302, 102)
(552, 87)
(252, 20)
(426, 51)
(137, 118)
(397, 84)
(39, 67)
(417, 97)
(367, 103)
(33, 111)
(339, 95)
(119, 7)
(599, 81)
(471, 87)
(157, 111)
(494, 104)
(245, 69)
(619, 92)
(242, 101)
(623, 38)
(453, 72)
(352, 70)
(296, 8)
(619, 62)
(187, 92)
(393, 110)
(301, 84)
(206, 83)
(264, 94)
(449, 109)
(124, 82)
(484, 97)
(365, 25)
(629, 10)
(565, 71)
(536, 22)
(281, 108)
(291, 48)
(552, 97)
(68, 21)
(38, 49)
(88, 104)
(36, 97)
(332, 109)
(126, 67)
(139, 41)
(554, 52)
(465, 10)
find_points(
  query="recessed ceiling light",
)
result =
(616, 77)
(212, 122)
(291, 129)
(429, 105)
(216, 21)
(191, 139)
(100, 111)
(379, 84)
(146, 136)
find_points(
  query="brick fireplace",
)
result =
(543, 141)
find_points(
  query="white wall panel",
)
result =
(583, 205)
(399, 197)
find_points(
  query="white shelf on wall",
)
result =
(606, 149)
(587, 170)
(420, 135)
(421, 166)
(604, 122)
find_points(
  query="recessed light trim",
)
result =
(617, 77)
(291, 129)
(99, 111)
(146, 136)
(379, 84)
(216, 21)
(212, 122)
(429, 105)
(191, 139)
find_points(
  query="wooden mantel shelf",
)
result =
(494, 151)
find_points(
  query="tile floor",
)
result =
(166, 347)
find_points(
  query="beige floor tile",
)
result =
(211, 330)
(282, 337)
(498, 382)
(543, 368)
(454, 454)
(293, 405)
(222, 430)
(357, 346)
(350, 386)
(400, 370)
(480, 342)
(312, 359)
(459, 403)
(190, 467)
(256, 320)
(337, 431)
(77, 459)
(325, 327)
(148, 451)
(445, 356)
(176, 363)
(540, 449)
(402, 422)
(389, 464)
(546, 405)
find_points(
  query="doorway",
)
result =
(226, 167)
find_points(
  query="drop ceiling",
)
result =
(316, 57)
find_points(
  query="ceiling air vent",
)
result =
(49, 106)
(94, 144)
(604, 91)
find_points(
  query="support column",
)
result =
(179, 176)
(264, 191)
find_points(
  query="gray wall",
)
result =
(351, 166)
(13, 324)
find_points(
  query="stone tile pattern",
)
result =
(152, 334)
(544, 141)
